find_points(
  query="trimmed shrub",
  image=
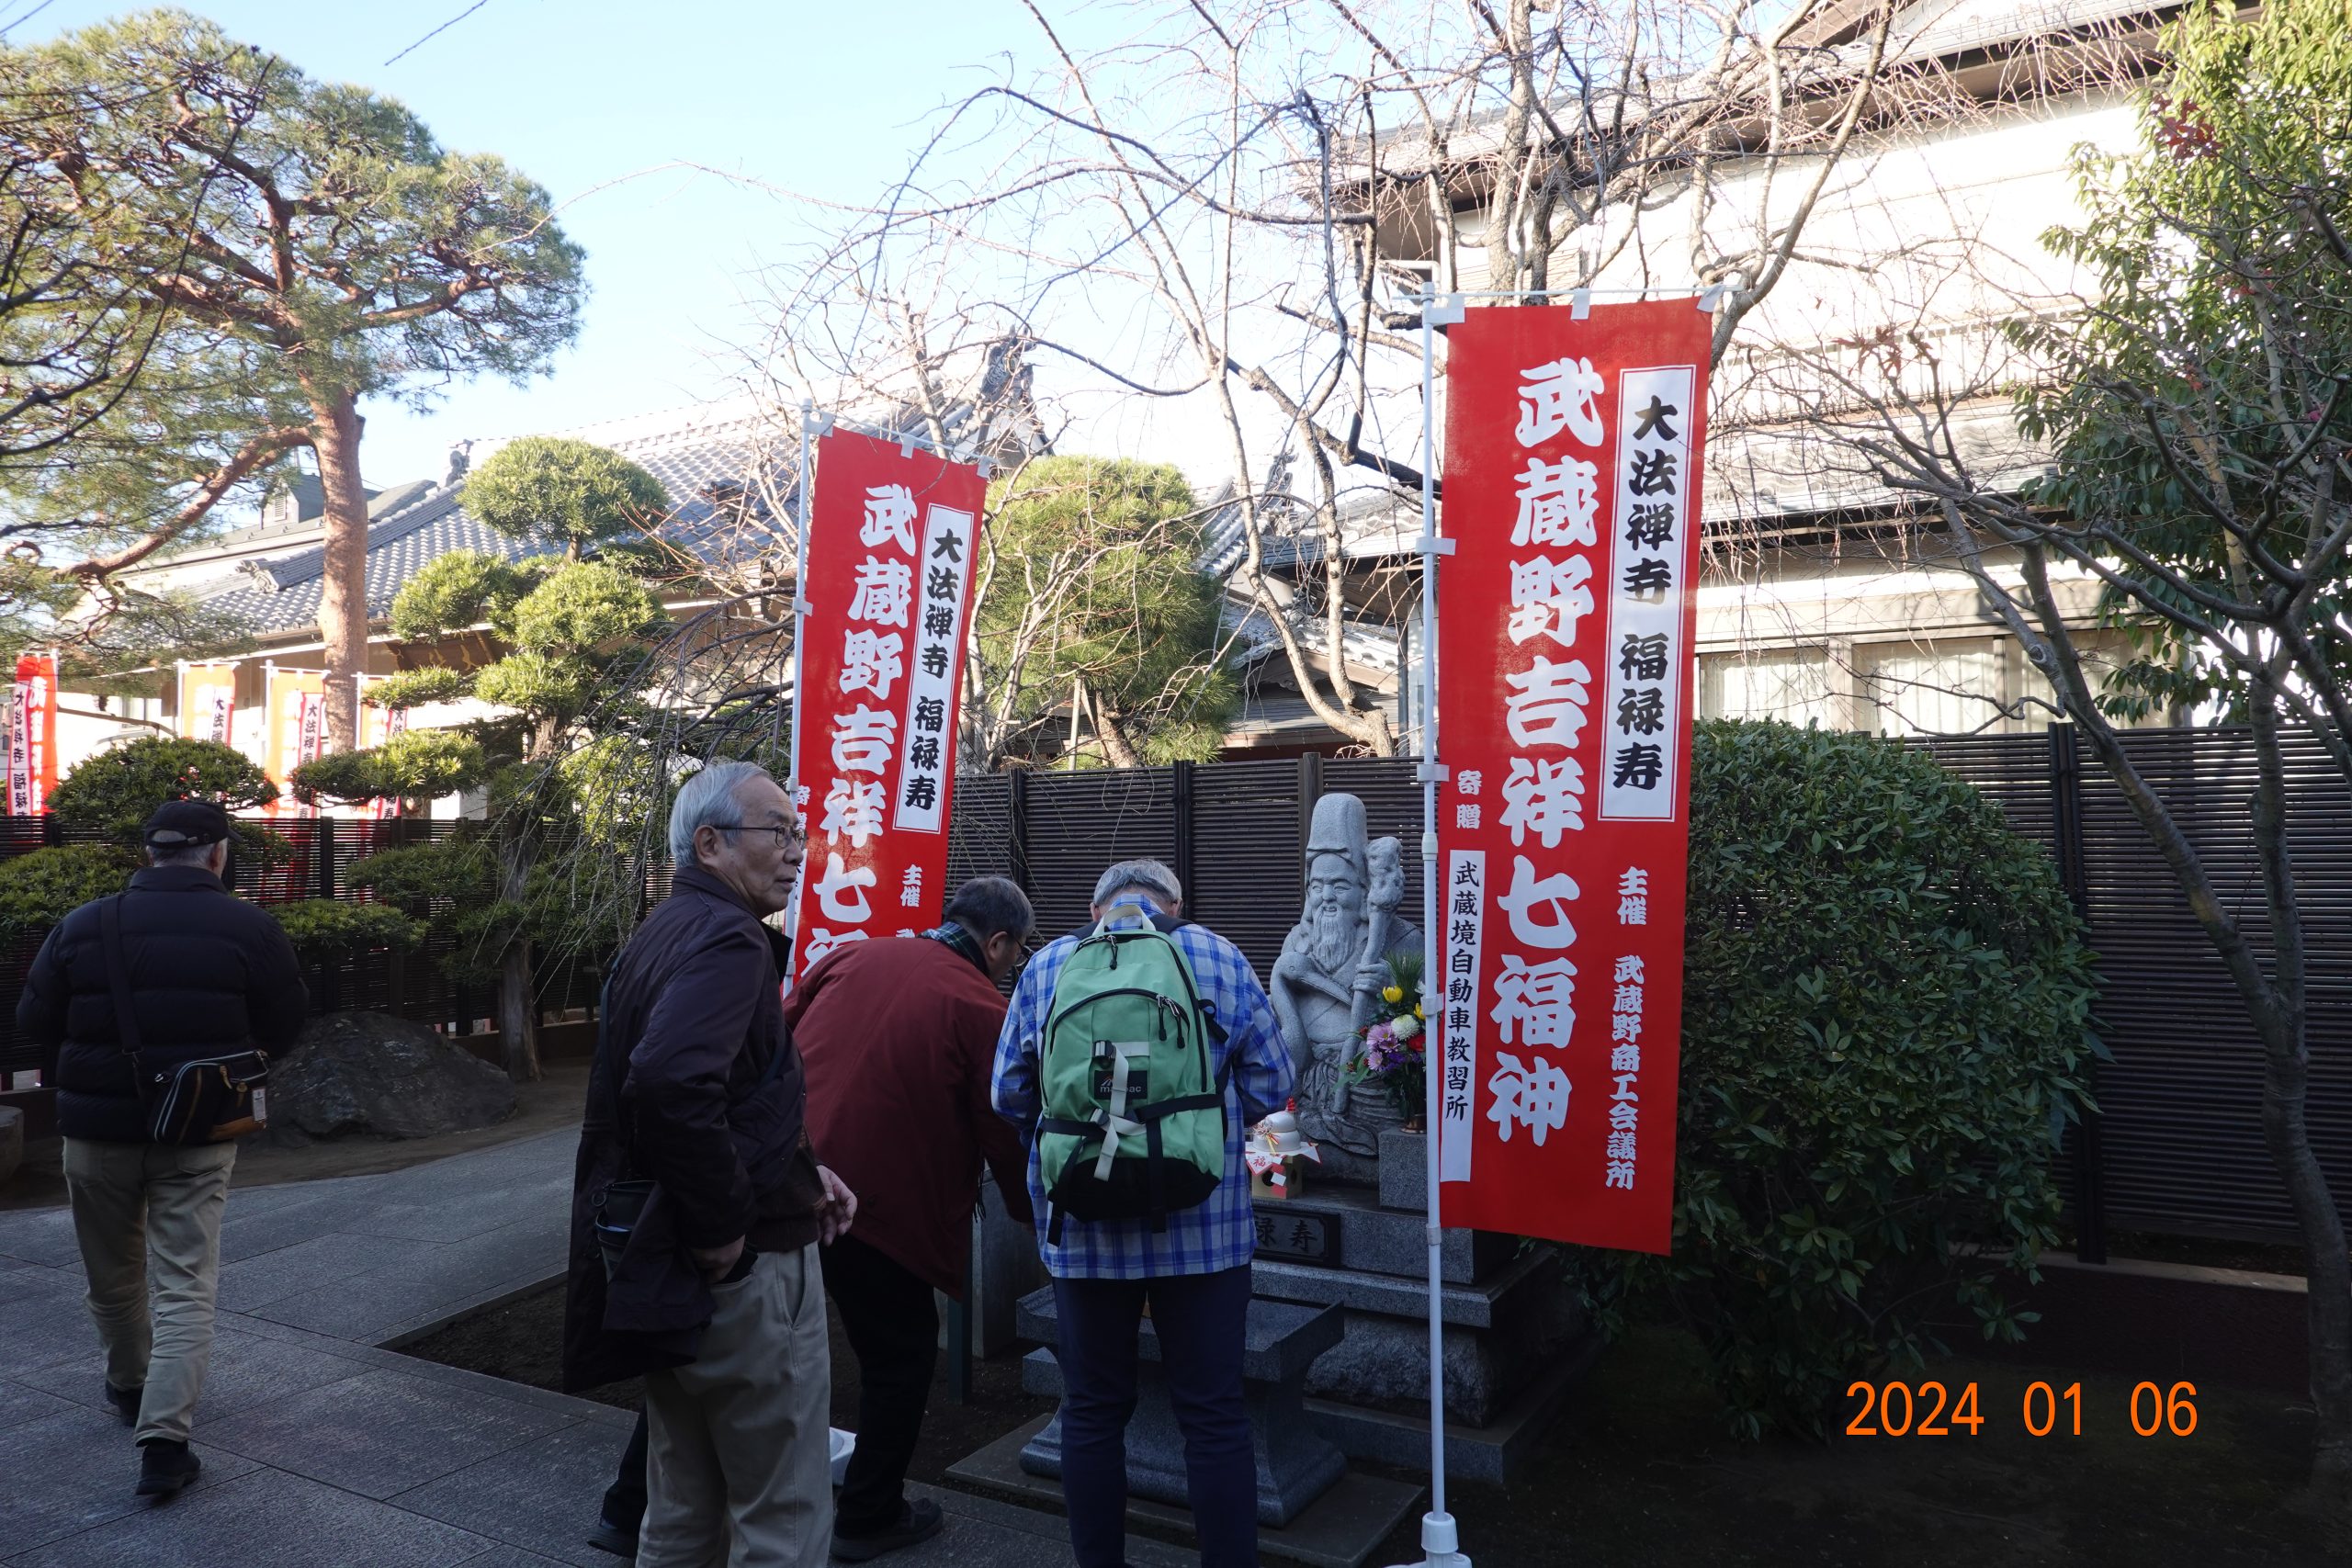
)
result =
(39, 890)
(414, 764)
(462, 871)
(115, 791)
(413, 688)
(551, 487)
(1886, 1008)
(328, 927)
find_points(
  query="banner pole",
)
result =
(800, 605)
(1441, 1545)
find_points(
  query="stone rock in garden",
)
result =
(368, 1072)
(12, 1142)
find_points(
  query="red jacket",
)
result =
(897, 1036)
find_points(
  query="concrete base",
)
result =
(1500, 1332)
(1339, 1530)
(1495, 1454)
(1004, 1269)
(1512, 1336)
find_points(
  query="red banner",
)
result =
(32, 736)
(1566, 620)
(879, 680)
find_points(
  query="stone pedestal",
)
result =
(1512, 1337)
(1295, 1463)
(1004, 1270)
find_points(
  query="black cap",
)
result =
(180, 824)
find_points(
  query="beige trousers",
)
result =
(738, 1442)
(149, 1215)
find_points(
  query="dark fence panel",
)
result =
(1250, 830)
(2176, 1144)
(2183, 1140)
(2176, 1147)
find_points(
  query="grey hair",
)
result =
(990, 906)
(1148, 874)
(181, 854)
(707, 800)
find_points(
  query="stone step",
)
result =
(1346, 1227)
(1499, 1333)
(1480, 1303)
(1497, 1452)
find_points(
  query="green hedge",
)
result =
(1887, 1010)
(39, 890)
(325, 927)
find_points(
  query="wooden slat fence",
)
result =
(2176, 1147)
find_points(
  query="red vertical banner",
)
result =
(32, 736)
(1567, 619)
(880, 681)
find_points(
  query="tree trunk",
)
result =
(2282, 1020)
(519, 1022)
(1114, 735)
(343, 586)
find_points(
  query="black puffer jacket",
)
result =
(209, 973)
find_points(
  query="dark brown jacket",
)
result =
(899, 1035)
(710, 1107)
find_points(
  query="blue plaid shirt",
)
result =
(1215, 1234)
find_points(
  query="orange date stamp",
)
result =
(1931, 1410)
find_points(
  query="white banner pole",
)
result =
(800, 605)
(802, 609)
(1441, 1544)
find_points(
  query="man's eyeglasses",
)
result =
(784, 836)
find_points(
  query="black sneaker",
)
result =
(609, 1537)
(918, 1521)
(126, 1402)
(164, 1467)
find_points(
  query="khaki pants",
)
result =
(150, 1213)
(739, 1439)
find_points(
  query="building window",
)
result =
(1944, 688)
(1788, 684)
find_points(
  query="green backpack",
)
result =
(1133, 1123)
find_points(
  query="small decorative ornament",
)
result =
(1273, 1151)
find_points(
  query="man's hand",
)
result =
(715, 1261)
(839, 1208)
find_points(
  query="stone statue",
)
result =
(1327, 984)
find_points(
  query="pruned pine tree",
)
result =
(292, 246)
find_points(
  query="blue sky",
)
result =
(828, 99)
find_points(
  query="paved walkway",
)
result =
(322, 1448)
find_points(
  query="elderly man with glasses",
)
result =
(698, 1203)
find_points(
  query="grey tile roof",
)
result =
(730, 470)
(281, 596)
(275, 597)
(1373, 525)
